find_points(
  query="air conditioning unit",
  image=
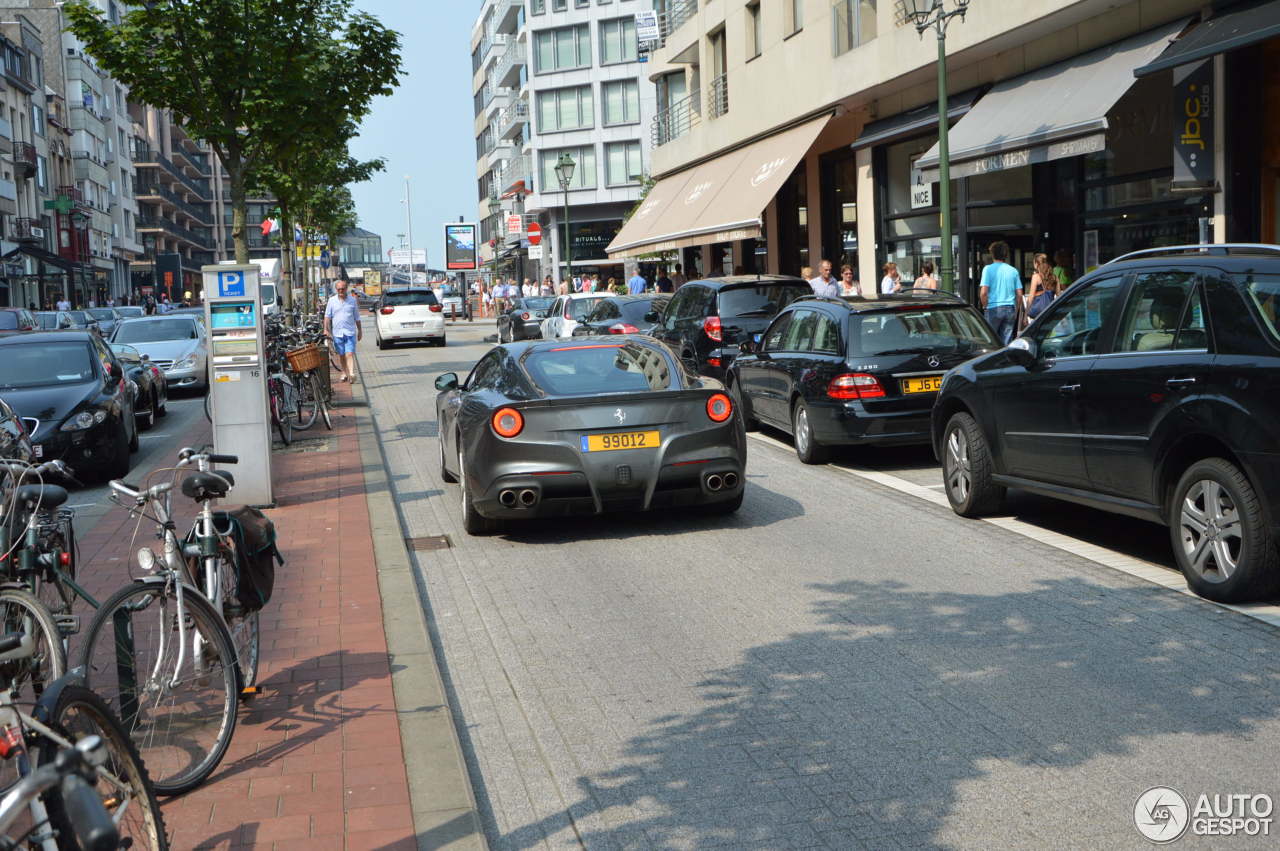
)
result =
(38, 233)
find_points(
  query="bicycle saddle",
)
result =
(48, 496)
(205, 486)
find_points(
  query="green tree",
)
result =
(239, 73)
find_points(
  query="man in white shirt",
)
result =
(63, 304)
(824, 284)
(342, 325)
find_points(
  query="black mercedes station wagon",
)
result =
(840, 371)
(1151, 388)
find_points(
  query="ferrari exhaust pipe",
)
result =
(714, 482)
(528, 497)
(507, 498)
(730, 481)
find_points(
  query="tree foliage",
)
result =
(248, 76)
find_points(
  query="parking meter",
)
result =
(238, 378)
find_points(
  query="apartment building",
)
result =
(792, 131)
(555, 77)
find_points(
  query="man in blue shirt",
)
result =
(637, 284)
(1000, 288)
(342, 325)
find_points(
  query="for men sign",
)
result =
(1193, 124)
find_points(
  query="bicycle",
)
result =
(72, 733)
(160, 653)
(304, 364)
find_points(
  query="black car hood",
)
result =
(51, 405)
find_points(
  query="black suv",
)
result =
(1150, 388)
(839, 371)
(706, 320)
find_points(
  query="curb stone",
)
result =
(440, 789)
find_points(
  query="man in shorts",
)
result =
(342, 325)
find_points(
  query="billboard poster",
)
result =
(460, 247)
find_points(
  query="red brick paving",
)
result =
(316, 761)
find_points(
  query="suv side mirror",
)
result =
(448, 381)
(747, 346)
(1024, 352)
(652, 316)
(115, 371)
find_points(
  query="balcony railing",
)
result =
(27, 230)
(718, 96)
(512, 59)
(154, 189)
(161, 223)
(672, 15)
(143, 156)
(514, 169)
(676, 120)
(24, 158)
(512, 118)
(72, 192)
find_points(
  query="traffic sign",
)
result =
(535, 233)
(230, 284)
(515, 223)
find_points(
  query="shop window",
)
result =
(854, 22)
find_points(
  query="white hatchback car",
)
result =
(408, 314)
(567, 312)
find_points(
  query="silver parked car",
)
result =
(178, 345)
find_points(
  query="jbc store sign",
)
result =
(1193, 124)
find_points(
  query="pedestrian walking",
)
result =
(548, 287)
(824, 284)
(1062, 268)
(848, 283)
(616, 286)
(892, 280)
(678, 280)
(342, 326)
(664, 284)
(63, 304)
(637, 284)
(1044, 287)
(1000, 289)
(926, 280)
(806, 272)
(527, 289)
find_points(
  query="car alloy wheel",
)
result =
(807, 447)
(966, 468)
(1209, 525)
(957, 466)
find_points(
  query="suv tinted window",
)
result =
(408, 297)
(1073, 325)
(777, 333)
(759, 299)
(826, 337)
(800, 333)
(1264, 291)
(1164, 313)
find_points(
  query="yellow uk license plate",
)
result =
(928, 384)
(623, 440)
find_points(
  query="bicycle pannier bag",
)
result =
(256, 553)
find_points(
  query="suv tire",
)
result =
(1220, 535)
(749, 422)
(808, 449)
(966, 469)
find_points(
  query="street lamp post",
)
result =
(564, 174)
(925, 14)
(495, 209)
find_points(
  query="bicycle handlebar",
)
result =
(137, 494)
(187, 455)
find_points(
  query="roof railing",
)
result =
(1222, 249)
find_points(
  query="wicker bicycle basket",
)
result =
(305, 359)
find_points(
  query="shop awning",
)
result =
(1055, 112)
(38, 253)
(721, 200)
(914, 121)
(1247, 24)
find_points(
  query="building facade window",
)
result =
(563, 49)
(584, 170)
(621, 102)
(42, 173)
(537, 7)
(37, 119)
(565, 109)
(622, 163)
(559, 5)
(854, 22)
(753, 30)
(795, 16)
(618, 41)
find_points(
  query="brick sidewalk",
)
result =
(316, 761)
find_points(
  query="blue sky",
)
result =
(424, 129)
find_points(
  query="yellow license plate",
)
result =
(623, 440)
(929, 384)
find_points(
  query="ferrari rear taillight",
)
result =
(623, 328)
(507, 422)
(711, 327)
(387, 311)
(524, 316)
(436, 308)
(719, 408)
(855, 385)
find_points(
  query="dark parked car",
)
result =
(106, 317)
(597, 424)
(73, 397)
(152, 397)
(1148, 389)
(835, 371)
(17, 319)
(705, 321)
(624, 314)
(523, 320)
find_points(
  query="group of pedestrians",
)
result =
(1009, 307)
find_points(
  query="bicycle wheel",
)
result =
(317, 391)
(278, 416)
(308, 402)
(242, 625)
(123, 783)
(21, 611)
(181, 720)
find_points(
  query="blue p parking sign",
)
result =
(230, 284)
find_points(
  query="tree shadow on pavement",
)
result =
(943, 719)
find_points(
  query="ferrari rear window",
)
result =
(587, 370)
